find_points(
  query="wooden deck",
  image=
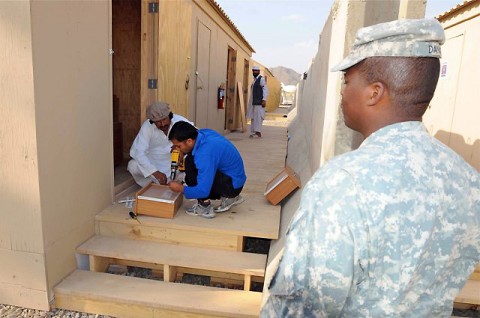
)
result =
(184, 244)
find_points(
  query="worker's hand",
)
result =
(176, 186)
(264, 103)
(161, 177)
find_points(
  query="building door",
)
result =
(202, 75)
(230, 91)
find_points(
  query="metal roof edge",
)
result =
(227, 19)
(455, 9)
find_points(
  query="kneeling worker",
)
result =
(214, 169)
(151, 149)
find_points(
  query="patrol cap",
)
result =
(400, 38)
(255, 68)
(158, 111)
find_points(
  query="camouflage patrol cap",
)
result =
(400, 38)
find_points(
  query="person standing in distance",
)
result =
(257, 103)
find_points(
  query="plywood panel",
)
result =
(73, 112)
(24, 297)
(230, 105)
(19, 186)
(171, 236)
(122, 296)
(126, 42)
(174, 54)
(64, 249)
(23, 269)
(202, 76)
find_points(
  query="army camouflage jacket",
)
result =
(391, 229)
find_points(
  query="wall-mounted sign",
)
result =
(443, 70)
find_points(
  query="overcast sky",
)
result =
(285, 32)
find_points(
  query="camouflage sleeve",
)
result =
(316, 273)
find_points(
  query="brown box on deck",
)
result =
(157, 200)
(281, 186)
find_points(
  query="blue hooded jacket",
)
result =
(214, 152)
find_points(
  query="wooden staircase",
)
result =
(183, 245)
(469, 295)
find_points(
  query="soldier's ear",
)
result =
(376, 91)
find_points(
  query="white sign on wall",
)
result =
(443, 70)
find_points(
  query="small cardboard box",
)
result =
(281, 186)
(157, 200)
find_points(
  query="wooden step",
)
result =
(130, 297)
(469, 294)
(253, 218)
(102, 248)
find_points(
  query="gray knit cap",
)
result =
(158, 111)
(400, 38)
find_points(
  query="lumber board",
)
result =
(175, 255)
(240, 99)
(124, 296)
(470, 293)
(160, 233)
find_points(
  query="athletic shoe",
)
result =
(200, 210)
(227, 203)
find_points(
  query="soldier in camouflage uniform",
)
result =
(392, 228)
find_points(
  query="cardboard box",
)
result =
(157, 200)
(282, 185)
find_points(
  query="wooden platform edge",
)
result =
(160, 253)
(469, 294)
(122, 296)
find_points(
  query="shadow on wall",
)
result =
(468, 150)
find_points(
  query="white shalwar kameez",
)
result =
(151, 151)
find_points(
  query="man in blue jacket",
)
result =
(213, 169)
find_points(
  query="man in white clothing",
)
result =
(151, 149)
(257, 103)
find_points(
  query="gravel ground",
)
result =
(7, 311)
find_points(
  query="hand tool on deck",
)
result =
(134, 216)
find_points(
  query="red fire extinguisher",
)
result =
(221, 96)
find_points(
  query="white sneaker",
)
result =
(227, 203)
(192, 208)
(200, 210)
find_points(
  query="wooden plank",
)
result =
(169, 273)
(175, 255)
(23, 296)
(124, 296)
(243, 120)
(247, 282)
(99, 264)
(26, 270)
(470, 293)
(168, 235)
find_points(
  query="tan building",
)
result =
(64, 64)
(453, 115)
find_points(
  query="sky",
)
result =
(286, 32)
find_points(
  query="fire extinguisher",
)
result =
(221, 97)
